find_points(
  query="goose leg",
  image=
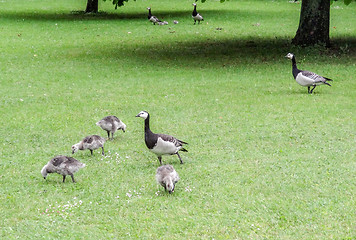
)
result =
(160, 159)
(91, 151)
(108, 134)
(102, 152)
(312, 89)
(181, 162)
(195, 21)
(308, 89)
(64, 178)
(72, 177)
(112, 135)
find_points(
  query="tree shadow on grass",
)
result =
(80, 15)
(228, 52)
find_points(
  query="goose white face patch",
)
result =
(142, 114)
(164, 147)
(289, 55)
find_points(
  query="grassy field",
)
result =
(266, 160)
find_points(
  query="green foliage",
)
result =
(346, 2)
(119, 3)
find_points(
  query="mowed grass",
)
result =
(266, 160)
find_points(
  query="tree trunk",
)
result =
(92, 6)
(314, 23)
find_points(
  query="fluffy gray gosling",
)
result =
(167, 177)
(90, 142)
(62, 165)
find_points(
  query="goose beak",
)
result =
(138, 115)
(286, 56)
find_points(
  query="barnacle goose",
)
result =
(195, 15)
(111, 124)
(306, 78)
(152, 18)
(161, 144)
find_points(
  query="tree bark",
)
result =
(314, 23)
(92, 6)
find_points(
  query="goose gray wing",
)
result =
(313, 76)
(88, 139)
(56, 161)
(169, 138)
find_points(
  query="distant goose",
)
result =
(196, 16)
(62, 165)
(90, 142)
(162, 23)
(111, 124)
(152, 18)
(306, 78)
(161, 144)
(167, 177)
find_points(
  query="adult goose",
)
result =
(306, 78)
(161, 144)
(152, 18)
(195, 15)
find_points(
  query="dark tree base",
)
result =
(92, 6)
(314, 23)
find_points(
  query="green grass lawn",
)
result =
(266, 160)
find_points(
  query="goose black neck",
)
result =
(147, 124)
(295, 69)
(195, 10)
(294, 63)
(149, 13)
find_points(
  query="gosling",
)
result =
(62, 165)
(90, 142)
(111, 124)
(167, 177)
